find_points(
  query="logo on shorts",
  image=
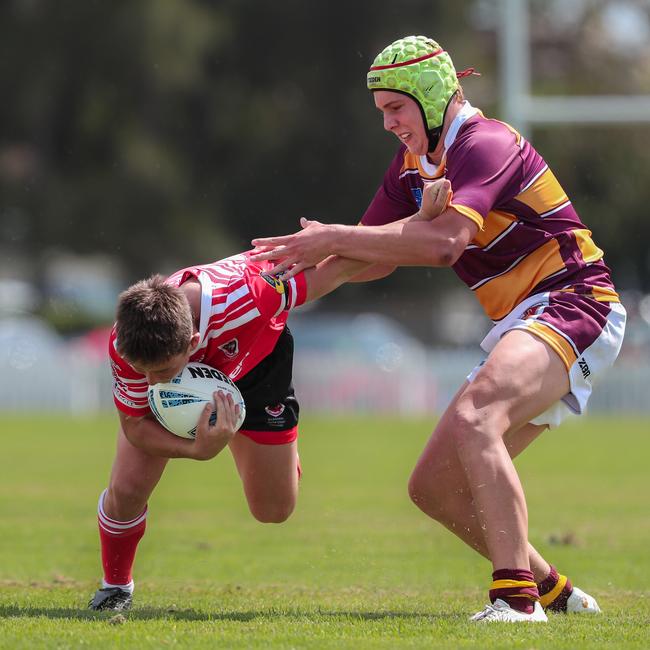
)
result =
(584, 367)
(534, 310)
(230, 349)
(275, 411)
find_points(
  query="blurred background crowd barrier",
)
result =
(343, 364)
(142, 137)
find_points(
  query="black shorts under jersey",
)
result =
(267, 389)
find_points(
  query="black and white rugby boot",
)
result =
(111, 599)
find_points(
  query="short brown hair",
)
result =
(154, 321)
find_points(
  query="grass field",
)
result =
(357, 566)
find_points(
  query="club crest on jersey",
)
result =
(277, 284)
(231, 348)
(275, 411)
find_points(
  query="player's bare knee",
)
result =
(424, 498)
(475, 423)
(272, 513)
(424, 493)
(420, 486)
(414, 488)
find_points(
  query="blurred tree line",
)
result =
(166, 132)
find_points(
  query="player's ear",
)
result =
(194, 340)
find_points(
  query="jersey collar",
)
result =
(206, 303)
(466, 111)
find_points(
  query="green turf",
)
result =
(357, 566)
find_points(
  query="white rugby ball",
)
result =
(177, 404)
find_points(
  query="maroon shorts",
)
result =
(585, 330)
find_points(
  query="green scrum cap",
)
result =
(418, 67)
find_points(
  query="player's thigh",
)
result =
(521, 378)
(269, 474)
(134, 476)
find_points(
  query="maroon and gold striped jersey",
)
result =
(530, 237)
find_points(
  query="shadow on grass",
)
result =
(151, 613)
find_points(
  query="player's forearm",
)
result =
(148, 435)
(404, 243)
(373, 272)
(331, 274)
(378, 271)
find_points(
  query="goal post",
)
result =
(524, 110)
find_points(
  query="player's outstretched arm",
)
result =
(437, 242)
(407, 242)
(435, 200)
(373, 272)
(148, 434)
(332, 273)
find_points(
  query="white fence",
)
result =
(39, 373)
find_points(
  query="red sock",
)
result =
(554, 591)
(516, 587)
(119, 541)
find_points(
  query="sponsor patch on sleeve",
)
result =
(276, 283)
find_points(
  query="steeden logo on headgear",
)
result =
(374, 80)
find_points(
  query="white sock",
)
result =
(129, 587)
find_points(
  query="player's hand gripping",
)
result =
(436, 197)
(299, 251)
(211, 439)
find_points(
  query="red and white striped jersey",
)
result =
(243, 312)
